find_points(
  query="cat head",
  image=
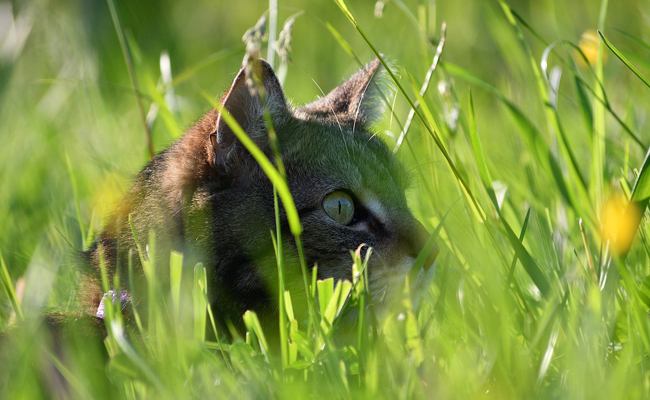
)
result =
(347, 185)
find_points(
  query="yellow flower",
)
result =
(619, 222)
(589, 45)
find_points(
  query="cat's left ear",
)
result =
(251, 95)
(357, 101)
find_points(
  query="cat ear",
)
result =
(247, 102)
(357, 101)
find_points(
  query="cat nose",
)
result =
(415, 241)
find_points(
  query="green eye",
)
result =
(339, 206)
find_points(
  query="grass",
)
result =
(528, 152)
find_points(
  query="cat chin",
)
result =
(387, 285)
(386, 290)
(422, 283)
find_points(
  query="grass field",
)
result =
(530, 136)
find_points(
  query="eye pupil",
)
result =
(339, 206)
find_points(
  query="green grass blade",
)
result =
(621, 57)
(479, 155)
(175, 273)
(346, 11)
(271, 172)
(584, 106)
(279, 255)
(524, 227)
(337, 301)
(253, 325)
(423, 88)
(426, 250)
(527, 261)
(641, 189)
(598, 146)
(640, 196)
(342, 42)
(200, 301)
(273, 27)
(9, 288)
(325, 290)
(134, 309)
(635, 39)
(119, 29)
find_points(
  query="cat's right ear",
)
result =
(250, 96)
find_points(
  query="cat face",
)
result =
(347, 186)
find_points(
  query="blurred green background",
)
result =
(71, 137)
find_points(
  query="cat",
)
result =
(206, 197)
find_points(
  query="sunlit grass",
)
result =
(528, 151)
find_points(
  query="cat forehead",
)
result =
(362, 157)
